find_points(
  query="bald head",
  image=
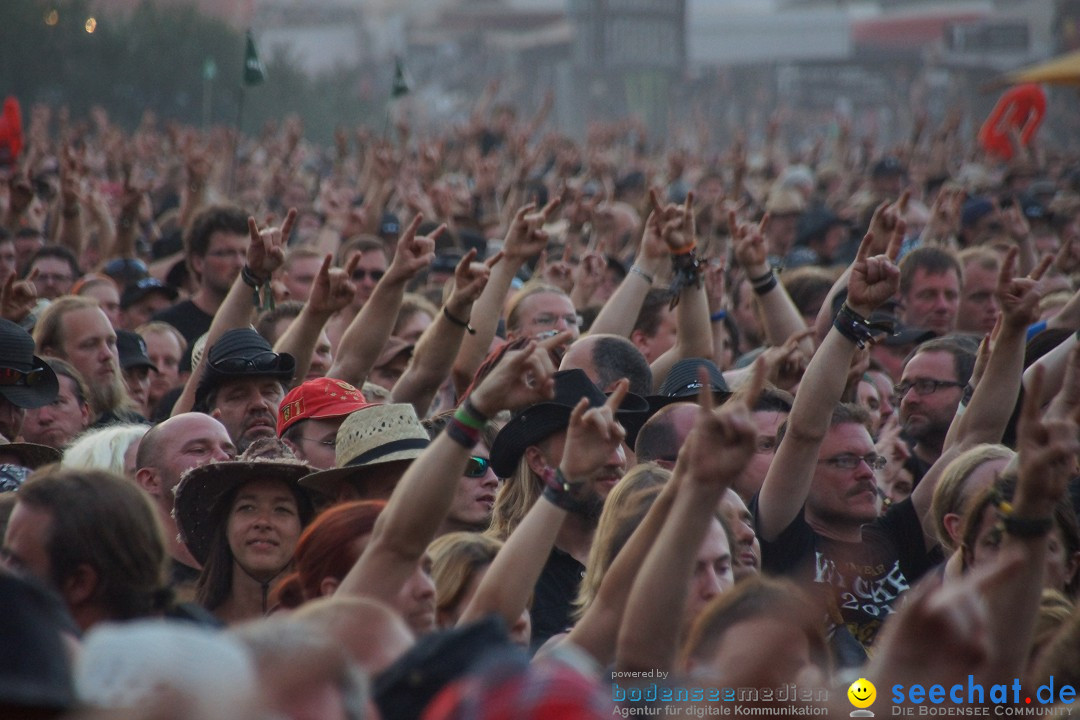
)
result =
(371, 632)
(606, 359)
(663, 435)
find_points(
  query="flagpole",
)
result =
(254, 74)
(236, 142)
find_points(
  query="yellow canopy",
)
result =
(1064, 70)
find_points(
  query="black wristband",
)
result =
(459, 322)
(767, 286)
(856, 328)
(249, 278)
(1022, 527)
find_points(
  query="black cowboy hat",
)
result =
(542, 420)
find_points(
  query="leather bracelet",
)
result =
(249, 278)
(765, 287)
(761, 278)
(459, 322)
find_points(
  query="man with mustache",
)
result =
(243, 384)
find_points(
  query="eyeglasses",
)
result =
(923, 387)
(263, 362)
(477, 467)
(850, 461)
(553, 320)
(10, 377)
(12, 476)
(375, 275)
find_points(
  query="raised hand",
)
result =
(875, 277)
(1047, 450)
(559, 273)
(18, 297)
(470, 279)
(414, 252)
(527, 237)
(722, 441)
(593, 435)
(520, 378)
(678, 229)
(654, 250)
(333, 289)
(1019, 297)
(749, 244)
(266, 249)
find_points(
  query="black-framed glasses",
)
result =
(924, 386)
(477, 467)
(266, 361)
(850, 461)
(10, 377)
(361, 273)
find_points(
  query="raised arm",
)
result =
(780, 317)
(874, 279)
(592, 436)
(1047, 451)
(716, 451)
(265, 254)
(525, 239)
(422, 498)
(331, 291)
(693, 336)
(620, 312)
(366, 335)
(435, 350)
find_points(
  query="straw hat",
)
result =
(373, 436)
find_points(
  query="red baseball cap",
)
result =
(319, 399)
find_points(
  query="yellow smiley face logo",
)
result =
(862, 693)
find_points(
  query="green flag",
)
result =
(401, 79)
(254, 72)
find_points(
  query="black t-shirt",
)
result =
(553, 596)
(866, 577)
(192, 323)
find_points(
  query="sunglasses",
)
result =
(477, 467)
(10, 377)
(263, 362)
(375, 275)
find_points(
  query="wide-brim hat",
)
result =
(240, 353)
(26, 380)
(372, 436)
(542, 420)
(199, 508)
(31, 455)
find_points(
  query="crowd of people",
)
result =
(496, 423)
